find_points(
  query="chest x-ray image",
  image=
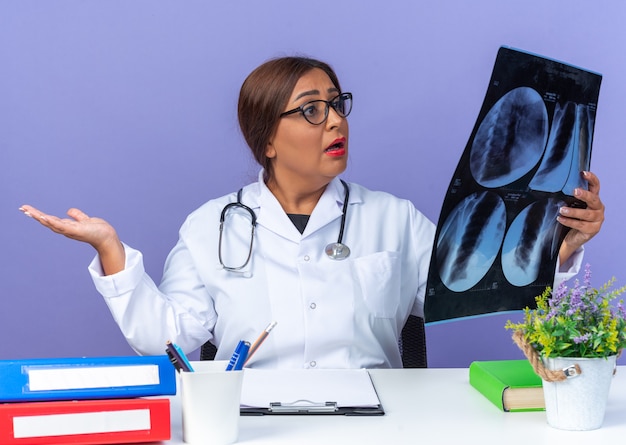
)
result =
(497, 239)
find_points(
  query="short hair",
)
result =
(264, 95)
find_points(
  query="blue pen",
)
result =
(243, 355)
(180, 356)
(235, 357)
(183, 357)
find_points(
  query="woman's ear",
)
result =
(270, 152)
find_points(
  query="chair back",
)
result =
(208, 351)
(413, 343)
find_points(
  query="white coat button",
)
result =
(307, 258)
(313, 305)
(313, 364)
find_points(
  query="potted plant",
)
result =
(572, 339)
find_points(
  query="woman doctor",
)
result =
(228, 285)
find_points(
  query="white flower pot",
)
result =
(578, 403)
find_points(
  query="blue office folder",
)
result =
(86, 378)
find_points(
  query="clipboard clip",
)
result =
(303, 406)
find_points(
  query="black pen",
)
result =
(173, 360)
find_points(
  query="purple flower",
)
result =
(587, 279)
(581, 339)
(620, 307)
(551, 314)
(576, 302)
(558, 295)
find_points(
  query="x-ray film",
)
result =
(498, 239)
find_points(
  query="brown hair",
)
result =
(264, 95)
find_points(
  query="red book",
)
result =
(85, 421)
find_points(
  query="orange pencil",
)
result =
(260, 340)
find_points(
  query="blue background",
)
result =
(127, 110)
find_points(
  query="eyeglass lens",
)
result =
(316, 111)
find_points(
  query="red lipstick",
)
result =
(337, 148)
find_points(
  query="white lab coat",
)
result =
(330, 314)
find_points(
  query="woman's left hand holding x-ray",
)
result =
(584, 223)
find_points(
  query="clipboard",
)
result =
(348, 392)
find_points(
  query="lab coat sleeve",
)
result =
(149, 317)
(570, 268)
(423, 239)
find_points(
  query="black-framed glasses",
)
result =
(316, 111)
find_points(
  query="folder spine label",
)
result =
(52, 378)
(81, 423)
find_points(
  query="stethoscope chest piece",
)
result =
(337, 251)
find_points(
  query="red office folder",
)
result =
(85, 421)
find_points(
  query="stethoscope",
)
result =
(335, 251)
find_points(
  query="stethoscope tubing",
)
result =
(335, 251)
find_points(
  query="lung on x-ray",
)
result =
(498, 239)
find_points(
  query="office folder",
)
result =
(86, 378)
(85, 421)
(304, 391)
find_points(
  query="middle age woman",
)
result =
(332, 311)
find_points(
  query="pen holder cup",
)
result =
(210, 403)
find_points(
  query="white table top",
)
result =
(433, 406)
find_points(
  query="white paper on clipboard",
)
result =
(343, 387)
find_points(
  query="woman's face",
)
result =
(309, 155)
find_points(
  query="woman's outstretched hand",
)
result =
(81, 227)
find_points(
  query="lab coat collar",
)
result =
(271, 215)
